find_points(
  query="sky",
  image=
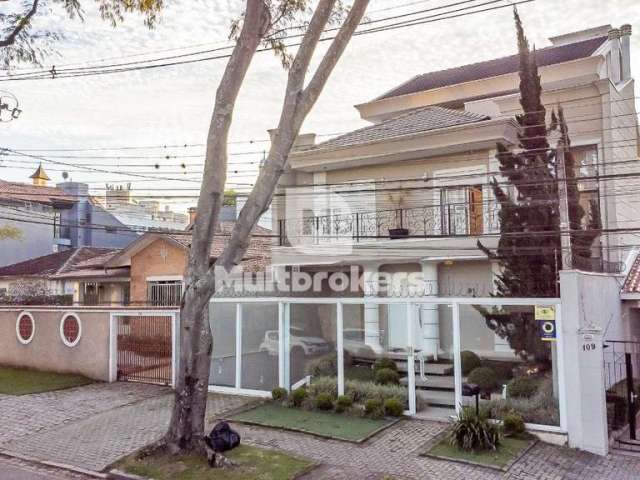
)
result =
(173, 105)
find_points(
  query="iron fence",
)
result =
(426, 221)
(145, 348)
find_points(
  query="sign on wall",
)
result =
(546, 318)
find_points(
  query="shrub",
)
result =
(373, 408)
(324, 385)
(279, 394)
(326, 365)
(484, 377)
(473, 431)
(393, 407)
(357, 390)
(541, 408)
(513, 424)
(383, 363)
(343, 403)
(522, 387)
(298, 396)
(470, 361)
(324, 401)
(363, 391)
(387, 376)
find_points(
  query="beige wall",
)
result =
(159, 258)
(46, 351)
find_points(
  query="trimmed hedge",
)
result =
(513, 424)
(383, 363)
(374, 408)
(359, 391)
(469, 361)
(522, 387)
(324, 401)
(485, 377)
(387, 376)
(343, 403)
(393, 407)
(298, 396)
(279, 394)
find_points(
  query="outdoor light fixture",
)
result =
(9, 106)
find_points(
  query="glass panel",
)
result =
(260, 346)
(312, 341)
(503, 353)
(222, 318)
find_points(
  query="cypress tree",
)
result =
(529, 250)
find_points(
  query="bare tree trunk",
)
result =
(187, 420)
(187, 423)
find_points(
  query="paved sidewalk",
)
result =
(396, 451)
(91, 427)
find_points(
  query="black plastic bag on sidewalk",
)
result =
(221, 439)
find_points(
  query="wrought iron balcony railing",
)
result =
(461, 219)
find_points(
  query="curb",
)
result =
(59, 466)
(116, 474)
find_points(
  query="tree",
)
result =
(20, 41)
(262, 21)
(529, 250)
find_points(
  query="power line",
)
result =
(115, 69)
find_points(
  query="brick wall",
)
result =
(161, 258)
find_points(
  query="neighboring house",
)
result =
(143, 215)
(36, 210)
(88, 223)
(150, 270)
(46, 275)
(53, 219)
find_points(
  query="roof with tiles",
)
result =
(414, 121)
(493, 68)
(257, 256)
(32, 193)
(54, 263)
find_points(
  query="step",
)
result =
(429, 368)
(438, 398)
(432, 382)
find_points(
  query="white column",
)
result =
(371, 310)
(429, 311)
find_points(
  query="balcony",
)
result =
(451, 220)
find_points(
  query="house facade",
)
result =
(409, 197)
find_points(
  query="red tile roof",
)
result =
(493, 68)
(54, 263)
(257, 256)
(32, 193)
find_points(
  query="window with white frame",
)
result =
(25, 328)
(70, 329)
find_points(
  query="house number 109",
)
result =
(587, 347)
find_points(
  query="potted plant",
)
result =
(398, 199)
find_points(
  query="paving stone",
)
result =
(93, 426)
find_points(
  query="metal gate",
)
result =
(145, 348)
(622, 380)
